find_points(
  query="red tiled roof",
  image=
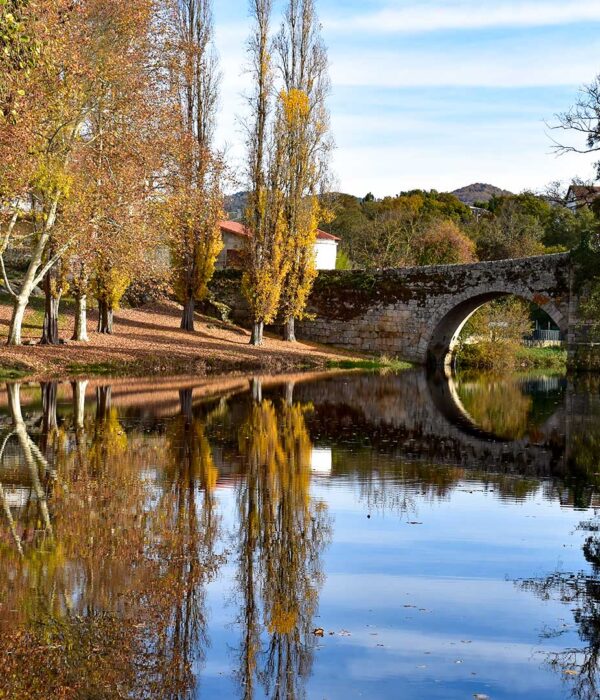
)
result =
(324, 236)
(237, 229)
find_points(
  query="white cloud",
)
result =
(401, 165)
(467, 15)
(497, 65)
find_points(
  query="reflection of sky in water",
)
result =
(439, 596)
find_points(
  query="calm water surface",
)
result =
(307, 536)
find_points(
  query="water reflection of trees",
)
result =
(497, 405)
(187, 555)
(282, 533)
(105, 563)
(579, 665)
(579, 591)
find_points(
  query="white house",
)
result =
(236, 235)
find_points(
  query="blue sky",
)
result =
(437, 93)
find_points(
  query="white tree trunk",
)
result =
(33, 276)
(79, 388)
(16, 321)
(80, 332)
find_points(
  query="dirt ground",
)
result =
(149, 341)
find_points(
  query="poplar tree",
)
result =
(194, 204)
(303, 128)
(266, 264)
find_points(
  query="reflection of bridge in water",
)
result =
(423, 419)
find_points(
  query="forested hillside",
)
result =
(426, 228)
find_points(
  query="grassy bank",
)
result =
(502, 357)
(543, 358)
(370, 364)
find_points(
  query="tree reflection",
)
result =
(581, 592)
(282, 533)
(497, 406)
(105, 598)
(188, 554)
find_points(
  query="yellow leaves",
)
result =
(282, 620)
(110, 283)
(52, 178)
(296, 106)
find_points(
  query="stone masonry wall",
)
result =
(407, 312)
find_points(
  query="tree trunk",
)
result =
(257, 334)
(256, 389)
(31, 280)
(50, 325)
(289, 393)
(49, 400)
(103, 401)
(187, 404)
(105, 318)
(187, 317)
(80, 331)
(289, 330)
(79, 388)
(49, 420)
(16, 321)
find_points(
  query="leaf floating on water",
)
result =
(571, 672)
(318, 631)
(481, 696)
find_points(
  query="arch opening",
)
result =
(444, 340)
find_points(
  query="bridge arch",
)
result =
(441, 343)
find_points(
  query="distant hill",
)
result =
(235, 204)
(479, 192)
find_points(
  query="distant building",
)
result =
(581, 196)
(480, 213)
(236, 235)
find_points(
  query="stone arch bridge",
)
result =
(417, 313)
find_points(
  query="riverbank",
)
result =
(498, 357)
(148, 341)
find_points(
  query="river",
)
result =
(340, 535)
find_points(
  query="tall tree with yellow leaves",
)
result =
(194, 204)
(303, 128)
(40, 124)
(114, 184)
(266, 264)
